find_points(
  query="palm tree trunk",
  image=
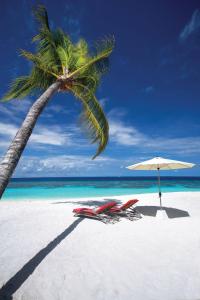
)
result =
(11, 158)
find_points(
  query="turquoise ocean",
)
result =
(62, 188)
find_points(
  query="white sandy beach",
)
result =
(46, 253)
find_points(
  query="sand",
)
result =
(46, 253)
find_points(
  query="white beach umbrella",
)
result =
(159, 163)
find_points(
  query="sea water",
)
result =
(62, 188)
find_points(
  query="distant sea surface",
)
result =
(62, 188)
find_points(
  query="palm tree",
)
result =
(58, 65)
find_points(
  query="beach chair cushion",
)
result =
(102, 208)
(105, 207)
(125, 206)
(128, 204)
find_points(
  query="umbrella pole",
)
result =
(159, 190)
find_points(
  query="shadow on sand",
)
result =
(14, 283)
(171, 212)
(144, 210)
(89, 202)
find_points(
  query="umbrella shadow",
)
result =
(14, 283)
(171, 212)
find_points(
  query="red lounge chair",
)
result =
(98, 213)
(125, 210)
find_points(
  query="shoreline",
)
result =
(120, 197)
(99, 177)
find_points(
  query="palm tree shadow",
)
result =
(89, 202)
(171, 212)
(14, 283)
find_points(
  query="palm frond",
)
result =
(90, 82)
(40, 79)
(41, 16)
(45, 39)
(103, 52)
(81, 53)
(92, 118)
(56, 56)
(19, 88)
(64, 58)
(104, 46)
(44, 63)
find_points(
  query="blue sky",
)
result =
(151, 94)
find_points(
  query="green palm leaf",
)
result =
(19, 88)
(75, 66)
(92, 118)
(105, 50)
(44, 62)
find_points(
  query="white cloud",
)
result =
(186, 145)
(126, 135)
(15, 109)
(149, 89)
(62, 165)
(52, 109)
(117, 113)
(56, 108)
(64, 162)
(122, 136)
(53, 135)
(178, 145)
(191, 27)
(8, 129)
(103, 101)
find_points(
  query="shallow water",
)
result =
(56, 188)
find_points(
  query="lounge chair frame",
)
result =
(98, 214)
(126, 210)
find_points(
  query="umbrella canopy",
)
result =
(159, 163)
